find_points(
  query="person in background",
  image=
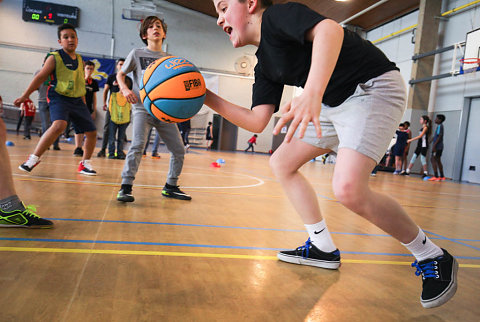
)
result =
(251, 142)
(91, 86)
(44, 110)
(209, 135)
(184, 128)
(28, 110)
(437, 149)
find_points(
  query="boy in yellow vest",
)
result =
(66, 98)
(120, 111)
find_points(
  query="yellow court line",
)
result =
(182, 254)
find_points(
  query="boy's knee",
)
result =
(178, 151)
(58, 126)
(276, 165)
(349, 194)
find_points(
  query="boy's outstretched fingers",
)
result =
(287, 115)
(318, 128)
(19, 101)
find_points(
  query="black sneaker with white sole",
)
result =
(125, 194)
(174, 192)
(309, 254)
(31, 163)
(439, 277)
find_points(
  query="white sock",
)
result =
(320, 236)
(408, 170)
(423, 248)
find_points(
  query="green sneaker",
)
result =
(174, 192)
(125, 195)
(23, 219)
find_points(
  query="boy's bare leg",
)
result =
(398, 163)
(47, 139)
(350, 185)
(7, 188)
(440, 165)
(78, 140)
(285, 162)
(434, 165)
(90, 142)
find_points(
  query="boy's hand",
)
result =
(301, 110)
(104, 107)
(19, 101)
(129, 95)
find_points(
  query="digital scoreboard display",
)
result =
(51, 13)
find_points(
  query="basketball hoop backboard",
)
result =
(471, 58)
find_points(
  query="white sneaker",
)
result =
(31, 163)
(85, 167)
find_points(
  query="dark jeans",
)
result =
(19, 123)
(28, 125)
(106, 130)
(121, 128)
(250, 146)
(184, 135)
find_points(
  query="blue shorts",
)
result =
(70, 108)
(398, 149)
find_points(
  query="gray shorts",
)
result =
(366, 121)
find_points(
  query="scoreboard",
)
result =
(51, 13)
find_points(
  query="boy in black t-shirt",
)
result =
(352, 101)
(91, 87)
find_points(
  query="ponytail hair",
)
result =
(428, 123)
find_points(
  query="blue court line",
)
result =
(236, 227)
(328, 198)
(453, 240)
(88, 241)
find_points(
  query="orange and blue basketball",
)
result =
(172, 89)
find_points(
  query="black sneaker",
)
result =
(121, 156)
(112, 156)
(26, 218)
(78, 152)
(404, 173)
(56, 148)
(309, 254)
(439, 277)
(101, 154)
(125, 195)
(174, 192)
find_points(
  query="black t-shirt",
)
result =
(91, 86)
(112, 82)
(284, 57)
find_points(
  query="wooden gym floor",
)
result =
(213, 258)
